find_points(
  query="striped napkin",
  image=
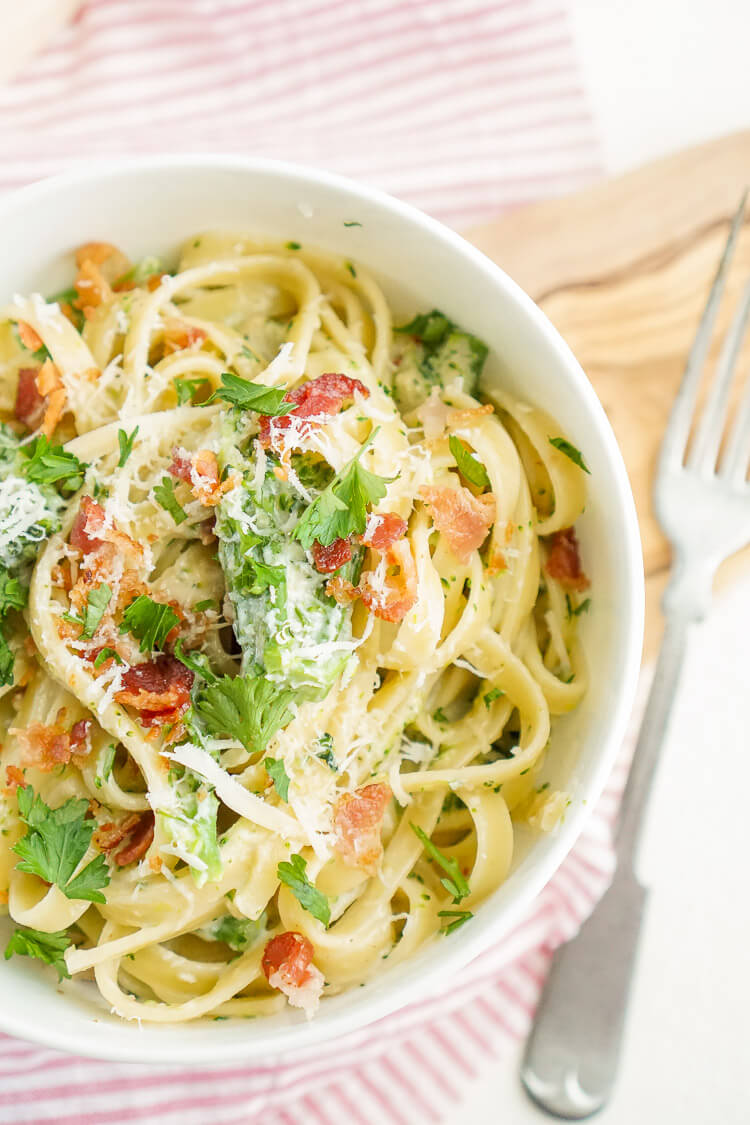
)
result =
(465, 108)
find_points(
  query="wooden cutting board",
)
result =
(623, 271)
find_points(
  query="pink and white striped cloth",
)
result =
(465, 108)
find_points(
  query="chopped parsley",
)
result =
(56, 841)
(468, 466)
(351, 268)
(106, 765)
(106, 654)
(576, 611)
(201, 607)
(96, 604)
(490, 696)
(126, 445)
(247, 708)
(166, 499)
(294, 245)
(454, 881)
(51, 464)
(277, 772)
(13, 594)
(49, 948)
(293, 874)
(149, 622)
(252, 396)
(352, 223)
(341, 509)
(325, 753)
(187, 389)
(571, 452)
(197, 662)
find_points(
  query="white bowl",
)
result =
(150, 206)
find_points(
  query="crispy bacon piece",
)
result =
(316, 401)
(90, 532)
(96, 252)
(157, 685)
(390, 596)
(50, 385)
(341, 590)
(287, 964)
(46, 746)
(564, 560)
(330, 558)
(464, 519)
(13, 779)
(178, 334)
(107, 836)
(201, 471)
(382, 531)
(30, 405)
(92, 288)
(141, 839)
(357, 821)
(29, 337)
(85, 534)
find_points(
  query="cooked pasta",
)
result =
(288, 598)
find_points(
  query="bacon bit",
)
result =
(497, 563)
(178, 335)
(392, 600)
(141, 839)
(85, 532)
(287, 965)
(46, 746)
(160, 685)
(564, 560)
(4, 897)
(30, 406)
(155, 863)
(464, 519)
(95, 252)
(330, 558)
(109, 835)
(316, 401)
(382, 531)
(280, 474)
(13, 779)
(49, 384)
(153, 282)
(341, 590)
(357, 821)
(29, 337)
(92, 288)
(466, 417)
(201, 472)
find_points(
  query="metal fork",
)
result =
(702, 502)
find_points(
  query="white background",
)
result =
(662, 74)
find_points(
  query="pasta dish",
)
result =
(287, 597)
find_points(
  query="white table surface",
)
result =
(663, 74)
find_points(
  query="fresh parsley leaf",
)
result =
(51, 464)
(106, 654)
(253, 396)
(293, 874)
(325, 753)
(187, 389)
(490, 696)
(440, 716)
(13, 594)
(238, 933)
(584, 607)
(455, 883)
(7, 661)
(56, 841)
(294, 245)
(49, 948)
(197, 662)
(247, 708)
(149, 622)
(468, 466)
(264, 577)
(208, 603)
(249, 354)
(165, 497)
(341, 508)
(351, 268)
(126, 445)
(277, 772)
(458, 916)
(570, 451)
(96, 604)
(429, 328)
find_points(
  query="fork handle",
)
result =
(571, 1057)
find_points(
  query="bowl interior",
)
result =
(150, 207)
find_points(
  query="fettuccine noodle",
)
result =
(289, 598)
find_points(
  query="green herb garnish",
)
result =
(468, 466)
(149, 622)
(341, 509)
(56, 841)
(294, 875)
(126, 445)
(277, 772)
(246, 708)
(571, 452)
(454, 882)
(49, 948)
(165, 498)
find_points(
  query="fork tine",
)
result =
(678, 428)
(734, 460)
(705, 448)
